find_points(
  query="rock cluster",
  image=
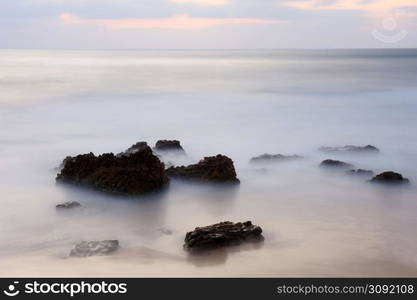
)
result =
(138, 172)
(221, 235)
(218, 168)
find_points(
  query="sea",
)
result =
(239, 103)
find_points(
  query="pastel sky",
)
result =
(180, 24)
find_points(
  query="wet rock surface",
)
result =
(351, 149)
(68, 205)
(330, 163)
(390, 177)
(137, 173)
(266, 158)
(221, 235)
(218, 168)
(94, 248)
(168, 145)
(361, 172)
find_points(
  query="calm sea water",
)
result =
(238, 103)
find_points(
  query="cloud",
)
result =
(184, 22)
(203, 2)
(372, 7)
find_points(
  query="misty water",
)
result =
(237, 103)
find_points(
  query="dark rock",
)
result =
(264, 158)
(218, 168)
(390, 177)
(221, 235)
(351, 148)
(330, 163)
(137, 173)
(63, 162)
(139, 146)
(361, 172)
(67, 205)
(94, 248)
(168, 145)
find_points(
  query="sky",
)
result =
(207, 24)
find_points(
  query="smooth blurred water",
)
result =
(238, 103)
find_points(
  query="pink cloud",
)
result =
(183, 22)
(372, 7)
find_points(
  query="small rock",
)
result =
(94, 248)
(168, 145)
(330, 163)
(165, 231)
(390, 177)
(361, 172)
(351, 148)
(221, 235)
(68, 205)
(218, 168)
(273, 158)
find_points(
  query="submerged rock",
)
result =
(165, 231)
(139, 146)
(94, 248)
(361, 172)
(68, 205)
(137, 173)
(218, 168)
(390, 177)
(264, 158)
(221, 235)
(351, 148)
(330, 163)
(168, 145)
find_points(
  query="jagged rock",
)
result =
(390, 177)
(94, 248)
(63, 163)
(137, 173)
(139, 146)
(264, 158)
(221, 235)
(361, 172)
(218, 168)
(168, 145)
(351, 148)
(68, 205)
(330, 163)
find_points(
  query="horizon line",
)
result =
(208, 49)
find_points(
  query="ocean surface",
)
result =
(237, 103)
